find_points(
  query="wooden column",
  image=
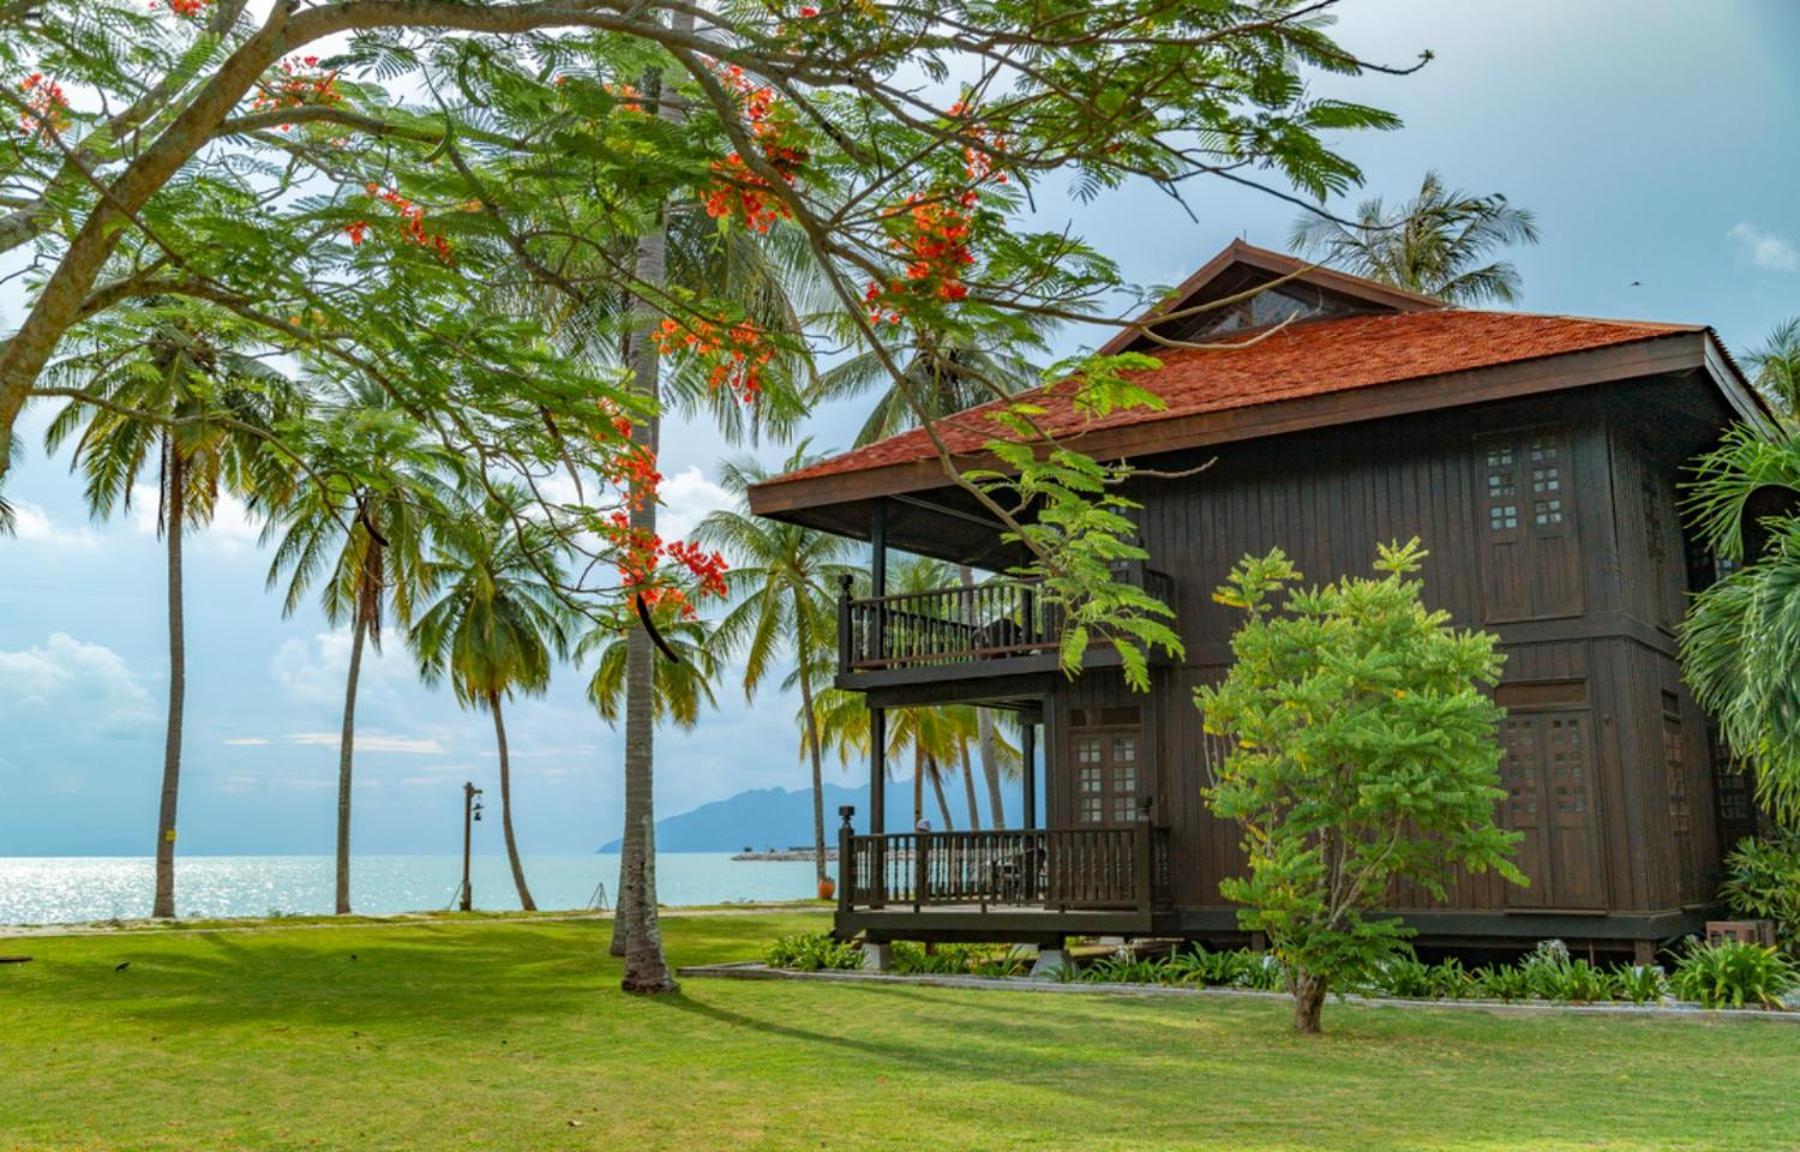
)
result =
(1028, 753)
(878, 716)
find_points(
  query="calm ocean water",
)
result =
(73, 889)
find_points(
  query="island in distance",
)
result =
(768, 822)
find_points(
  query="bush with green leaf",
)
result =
(1762, 882)
(1640, 983)
(813, 952)
(1363, 751)
(1732, 974)
(1506, 982)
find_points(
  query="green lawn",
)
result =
(510, 1034)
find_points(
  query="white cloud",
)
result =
(87, 683)
(247, 742)
(314, 672)
(373, 742)
(232, 528)
(1765, 249)
(687, 497)
(34, 525)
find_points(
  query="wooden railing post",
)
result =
(1140, 849)
(846, 860)
(921, 868)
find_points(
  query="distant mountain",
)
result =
(777, 818)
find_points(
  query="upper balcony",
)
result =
(990, 629)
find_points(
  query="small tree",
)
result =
(1363, 751)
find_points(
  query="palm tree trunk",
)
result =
(174, 504)
(968, 775)
(637, 933)
(812, 749)
(359, 628)
(506, 824)
(918, 785)
(936, 772)
(984, 727)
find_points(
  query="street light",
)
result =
(471, 814)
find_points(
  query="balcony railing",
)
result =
(987, 621)
(1077, 868)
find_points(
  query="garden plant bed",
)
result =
(752, 970)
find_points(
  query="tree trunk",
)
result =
(818, 770)
(1309, 1001)
(918, 786)
(984, 728)
(174, 504)
(936, 772)
(506, 824)
(637, 934)
(359, 628)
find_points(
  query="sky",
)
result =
(1655, 141)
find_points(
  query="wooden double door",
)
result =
(1547, 769)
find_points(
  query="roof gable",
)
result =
(1245, 287)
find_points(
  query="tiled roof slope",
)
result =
(1307, 359)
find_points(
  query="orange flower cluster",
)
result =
(412, 224)
(737, 355)
(978, 163)
(186, 9)
(629, 98)
(933, 236)
(739, 191)
(641, 554)
(298, 88)
(49, 107)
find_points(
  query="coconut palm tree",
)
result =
(783, 583)
(1740, 643)
(1436, 244)
(683, 686)
(168, 395)
(944, 375)
(359, 533)
(1776, 367)
(494, 627)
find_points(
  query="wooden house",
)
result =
(1536, 456)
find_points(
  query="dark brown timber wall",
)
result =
(1551, 522)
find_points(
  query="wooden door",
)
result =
(1530, 563)
(1547, 771)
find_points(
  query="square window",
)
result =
(1503, 516)
(1125, 779)
(1547, 511)
(1124, 749)
(1090, 780)
(1087, 750)
(1091, 810)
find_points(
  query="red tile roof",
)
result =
(1307, 359)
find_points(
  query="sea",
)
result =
(78, 889)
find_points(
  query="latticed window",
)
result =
(1108, 783)
(1568, 765)
(1675, 764)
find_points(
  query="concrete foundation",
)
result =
(1049, 964)
(878, 957)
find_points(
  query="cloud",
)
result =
(34, 525)
(1765, 249)
(687, 497)
(86, 683)
(372, 742)
(247, 742)
(232, 529)
(314, 672)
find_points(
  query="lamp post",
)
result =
(471, 813)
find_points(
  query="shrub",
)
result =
(1123, 969)
(1640, 983)
(1503, 982)
(1732, 974)
(1405, 977)
(957, 960)
(1762, 882)
(813, 952)
(1449, 980)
